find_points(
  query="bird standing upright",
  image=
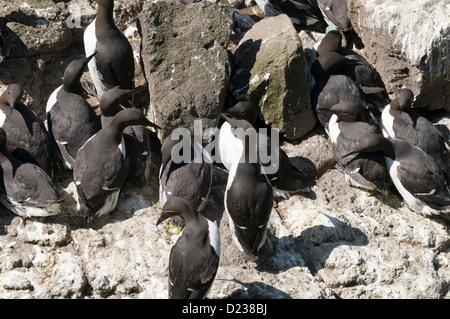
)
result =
(194, 259)
(281, 173)
(248, 195)
(71, 119)
(135, 137)
(113, 65)
(101, 166)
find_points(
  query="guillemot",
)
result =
(415, 174)
(188, 177)
(135, 138)
(28, 138)
(101, 166)
(71, 119)
(25, 188)
(399, 121)
(194, 258)
(363, 170)
(248, 196)
(113, 64)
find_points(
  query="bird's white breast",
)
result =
(214, 237)
(387, 123)
(52, 100)
(90, 45)
(2, 118)
(230, 147)
(333, 128)
(412, 202)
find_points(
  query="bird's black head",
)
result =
(111, 100)
(73, 73)
(243, 111)
(132, 116)
(12, 95)
(331, 42)
(175, 206)
(347, 111)
(373, 143)
(403, 100)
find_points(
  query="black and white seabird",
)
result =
(330, 89)
(301, 12)
(229, 147)
(285, 177)
(415, 174)
(363, 170)
(248, 195)
(113, 65)
(71, 119)
(101, 166)
(25, 188)
(135, 138)
(335, 13)
(189, 176)
(356, 67)
(399, 121)
(28, 139)
(331, 42)
(194, 258)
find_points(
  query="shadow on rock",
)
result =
(257, 290)
(290, 251)
(6, 218)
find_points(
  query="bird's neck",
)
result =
(116, 131)
(105, 15)
(73, 87)
(6, 159)
(394, 107)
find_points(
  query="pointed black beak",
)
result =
(140, 88)
(165, 215)
(91, 56)
(151, 124)
(220, 114)
(224, 116)
(350, 153)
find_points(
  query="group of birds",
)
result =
(102, 152)
(373, 138)
(321, 15)
(377, 141)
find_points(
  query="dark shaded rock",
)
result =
(272, 72)
(184, 52)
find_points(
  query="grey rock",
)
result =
(45, 234)
(407, 49)
(271, 71)
(15, 280)
(68, 276)
(186, 62)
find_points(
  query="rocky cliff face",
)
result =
(408, 44)
(336, 241)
